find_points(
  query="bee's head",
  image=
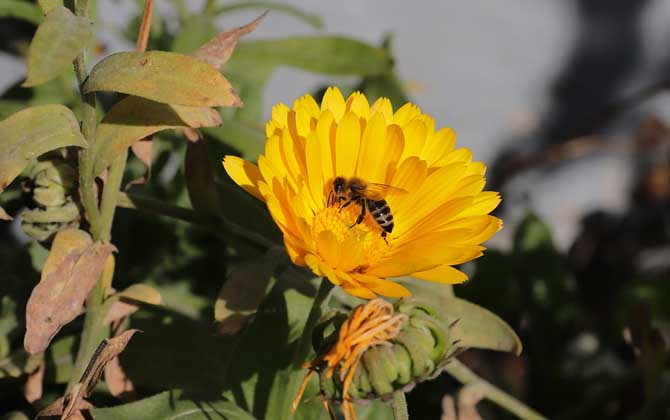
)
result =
(338, 185)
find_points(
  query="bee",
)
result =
(369, 196)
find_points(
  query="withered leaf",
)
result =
(106, 351)
(70, 272)
(218, 50)
(69, 406)
(4, 215)
(57, 407)
(143, 150)
(118, 383)
(127, 302)
(32, 389)
(119, 310)
(133, 119)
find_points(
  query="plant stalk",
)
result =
(319, 304)
(399, 406)
(464, 375)
(110, 196)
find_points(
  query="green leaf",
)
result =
(194, 32)
(311, 19)
(162, 77)
(8, 323)
(173, 405)
(477, 327)
(134, 118)
(321, 54)
(32, 132)
(47, 5)
(259, 369)
(57, 42)
(21, 9)
(244, 290)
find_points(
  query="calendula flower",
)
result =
(422, 201)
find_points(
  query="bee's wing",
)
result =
(380, 191)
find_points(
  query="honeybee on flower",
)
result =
(432, 215)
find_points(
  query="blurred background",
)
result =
(567, 102)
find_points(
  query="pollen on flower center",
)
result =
(345, 245)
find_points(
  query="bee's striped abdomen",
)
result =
(381, 212)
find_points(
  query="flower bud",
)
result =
(51, 187)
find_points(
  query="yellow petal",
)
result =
(406, 113)
(321, 269)
(333, 101)
(358, 104)
(373, 152)
(347, 143)
(438, 145)
(314, 166)
(325, 132)
(328, 248)
(245, 174)
(354, 288)
(383, 106)
(381, 286)
(415, 134)
(442, 274)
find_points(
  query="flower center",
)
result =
(345, 245)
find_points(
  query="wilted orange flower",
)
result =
(440, 213)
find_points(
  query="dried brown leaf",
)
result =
(57, 407)
(118, 310)
(142, 293)
(466, 401)
(143, 151)
(125, 303)
(107, 350)
(118, 383)
(192, 134)
(4, 215)
(32, 389)
(218, 50)
(70, 405)
(70, 272)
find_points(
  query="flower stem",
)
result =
(464, 375)
(399, 406)
(319, 304)
(110, 196)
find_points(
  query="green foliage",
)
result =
(162, 77)
(58, 40)
(321, 54)
(172, 404)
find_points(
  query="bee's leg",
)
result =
(330, 199)
(361, 216)
(384, 233)
(348, 203)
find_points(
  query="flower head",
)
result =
(418, 207)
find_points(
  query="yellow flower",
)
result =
(440, 221)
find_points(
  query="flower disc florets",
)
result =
(439, 220)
